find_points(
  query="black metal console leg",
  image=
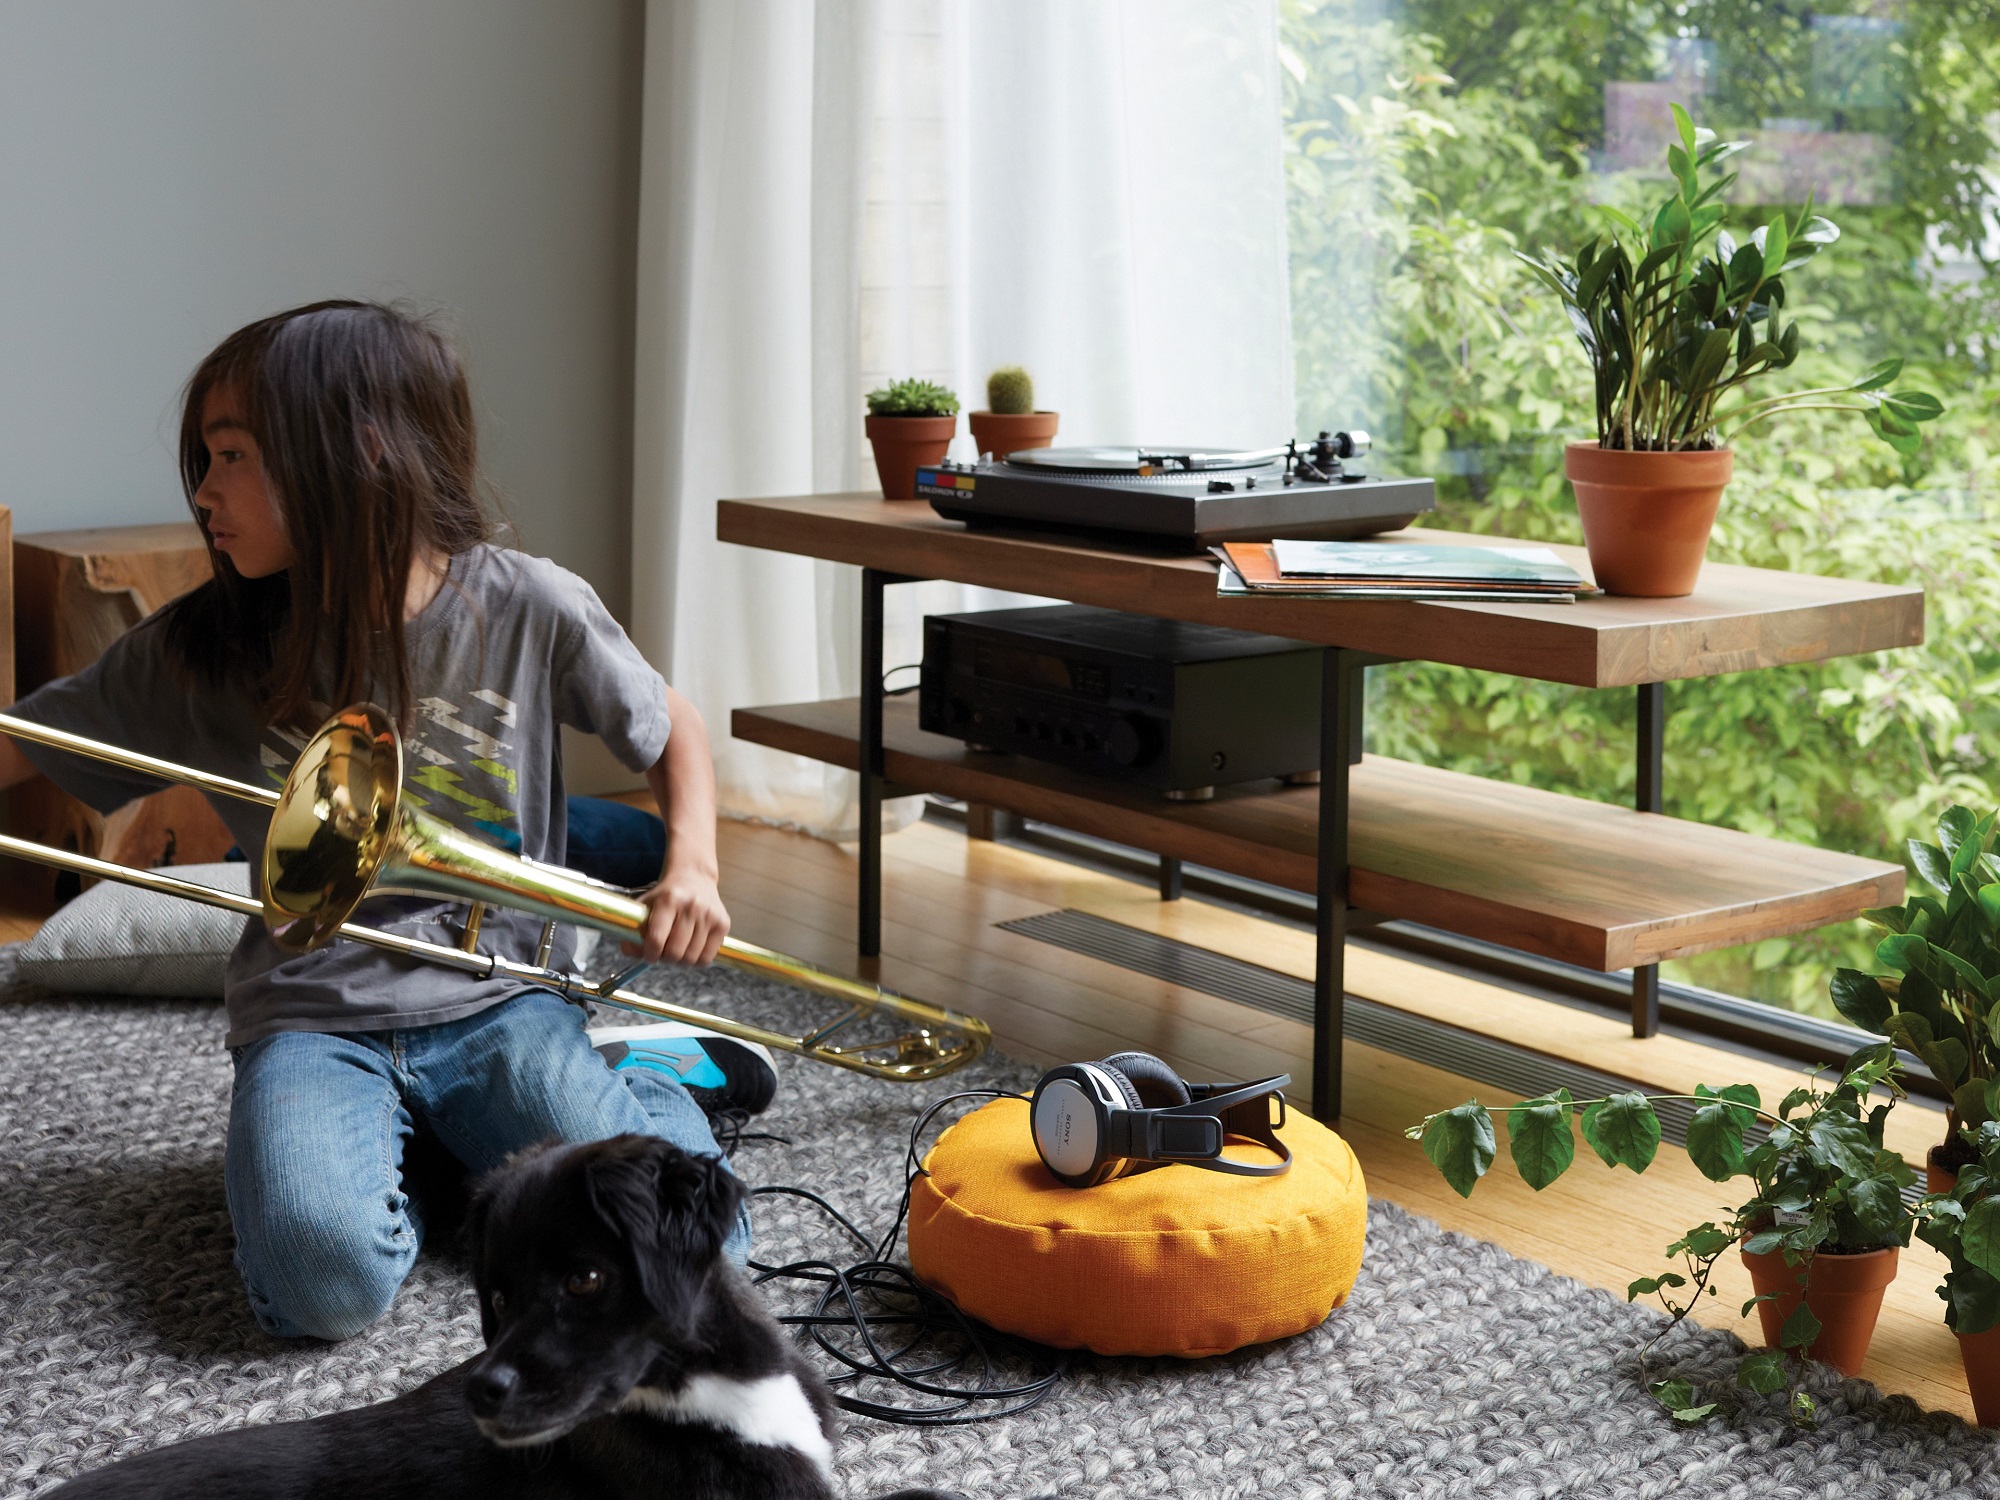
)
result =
(1170, 878)
(868, 923)
(1339, 727)
(1648, 797)
(868, 927)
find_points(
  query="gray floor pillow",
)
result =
(119, 940)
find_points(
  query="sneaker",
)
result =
(720, 1072)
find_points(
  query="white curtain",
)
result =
(840, 193)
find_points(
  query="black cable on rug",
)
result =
(884, 1326)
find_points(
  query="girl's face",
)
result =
(234, 497)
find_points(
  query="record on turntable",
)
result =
(1180, 496)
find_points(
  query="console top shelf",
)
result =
(1737, 620)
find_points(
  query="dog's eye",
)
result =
(499, 1304)
(583, 1283)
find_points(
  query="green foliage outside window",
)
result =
(1428, 146)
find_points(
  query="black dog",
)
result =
(625, 1358)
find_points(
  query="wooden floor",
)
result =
(943, 893)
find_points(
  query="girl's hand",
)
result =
(687, 920)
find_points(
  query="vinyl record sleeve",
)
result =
(1406, 562)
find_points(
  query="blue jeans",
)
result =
(318, 1123)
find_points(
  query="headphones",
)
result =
(1131, 1113)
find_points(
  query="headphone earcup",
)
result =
(1148, 1083)
(1126, 1089)
(1068, 1115)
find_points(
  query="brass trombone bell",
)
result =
(342, 830)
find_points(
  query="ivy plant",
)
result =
(912, 398)
(1820, 1178)
(1941, 1000)
(1677, 316)
(1964, 1223)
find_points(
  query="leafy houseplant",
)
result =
(1819, 1231)
(1678, 318)
(910, 424)
(1942, 1002)
(1964, 1223)
(1010, 422)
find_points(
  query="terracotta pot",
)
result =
(1844, 1292)
(1002, 433)
(1938, 1176)
(1646, 516)
(1981, 1353)
(905, 444)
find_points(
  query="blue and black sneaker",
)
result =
(720, 1072)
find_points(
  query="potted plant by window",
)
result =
(1964, 1223)
(1679, 321)
(1010, 422)
(1819, 1232)
(910, 424)
(1942, 1000)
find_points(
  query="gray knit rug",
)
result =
(1454, 1370)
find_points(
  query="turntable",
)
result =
(1181, 497)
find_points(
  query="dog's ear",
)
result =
(699, 1201)
(489, 1195)
(478, 1213)
(673, 1209)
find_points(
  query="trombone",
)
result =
(342, 831)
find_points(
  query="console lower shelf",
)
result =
(1584, 882)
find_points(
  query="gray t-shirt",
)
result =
(511, 647)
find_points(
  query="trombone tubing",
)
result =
(132, 760)
(974, 1034)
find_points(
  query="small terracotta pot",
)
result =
(1646, 516)
(905, 444)
(1981, 1354)
(1002, 433)
(1844, 1292)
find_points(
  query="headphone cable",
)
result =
(933, 1339)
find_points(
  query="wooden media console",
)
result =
(1606, 887)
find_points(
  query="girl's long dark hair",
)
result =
(364, 421)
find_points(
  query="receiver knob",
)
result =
(1123, 739)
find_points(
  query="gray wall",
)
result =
(172, 169)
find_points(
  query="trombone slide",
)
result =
(342, 831)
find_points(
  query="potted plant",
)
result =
(1964, 1223)
(910, 424)
(1678, 318)
(1819, 1232)
(1010, 422)
(1939, 1003)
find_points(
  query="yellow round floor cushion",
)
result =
(1173, 1261)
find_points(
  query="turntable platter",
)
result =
(1176, 460)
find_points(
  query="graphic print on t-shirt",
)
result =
(455, 765)
(466, 767)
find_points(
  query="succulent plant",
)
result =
(912, 398)
(1010, 392)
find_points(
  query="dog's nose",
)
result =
(487, 1389)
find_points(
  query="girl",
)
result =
(328, 455)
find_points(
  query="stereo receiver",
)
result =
(1159, 703)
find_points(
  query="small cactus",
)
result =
(912, 398)
(1010, 392)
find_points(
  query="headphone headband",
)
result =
(1087, 1132)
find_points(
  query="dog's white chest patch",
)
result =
(772, 1412)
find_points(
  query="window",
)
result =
(1429, 140)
